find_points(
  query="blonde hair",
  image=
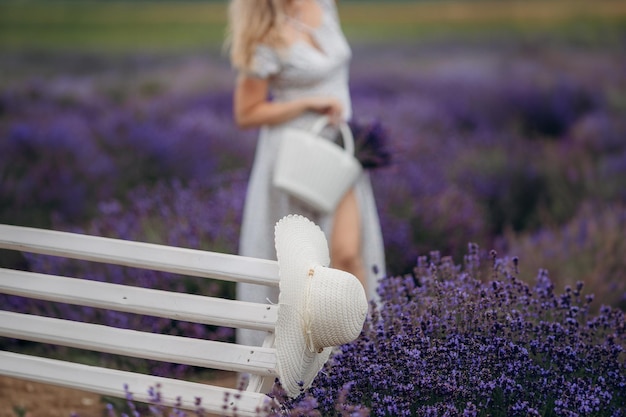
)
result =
(251, 22)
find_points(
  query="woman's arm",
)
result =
(252, 108)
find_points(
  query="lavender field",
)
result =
(507, 191)
(516, 147)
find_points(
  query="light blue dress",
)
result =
(298, 71)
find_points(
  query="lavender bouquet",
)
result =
(371, 146)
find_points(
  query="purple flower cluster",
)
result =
(66, 148)
(589, 248)
(371, 143)
(485, 138)
(154, 408)
(480, 341)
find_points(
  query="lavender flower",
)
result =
(448, 342)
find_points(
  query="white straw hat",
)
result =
(318, 307)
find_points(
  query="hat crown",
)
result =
(337, 305)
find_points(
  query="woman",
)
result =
(292, 60)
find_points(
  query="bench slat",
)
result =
(166, 348)
(178, 306)
(141, 255)
(111, 383)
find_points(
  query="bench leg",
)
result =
(260, 383)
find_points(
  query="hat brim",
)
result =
(300, 246)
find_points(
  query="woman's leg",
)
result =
(345, 247)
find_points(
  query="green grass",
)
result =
(600, 20)
(118, 25)
(164, 25)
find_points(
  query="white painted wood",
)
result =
(174, 349)
(111, 382)
(142, 255)
(260, 362)
(178, 306)
(259, 382)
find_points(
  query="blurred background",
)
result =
(506, 120)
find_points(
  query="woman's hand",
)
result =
(329, 106)
(252, 107)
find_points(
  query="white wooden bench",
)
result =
(259, 362)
